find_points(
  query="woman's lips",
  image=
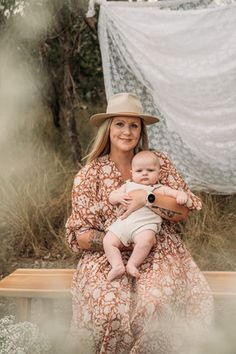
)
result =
(126, 140)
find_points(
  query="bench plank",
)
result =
(52, 283)
(45, 283)
(48, 284)
(221, 283)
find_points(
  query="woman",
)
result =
(149, 314)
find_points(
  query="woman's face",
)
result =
(124, 133)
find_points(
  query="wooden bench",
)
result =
(49, 284)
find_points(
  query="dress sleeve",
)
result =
(170, 177)
(85, 207)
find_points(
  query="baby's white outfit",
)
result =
(139, 220)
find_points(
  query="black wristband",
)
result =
(150, 198)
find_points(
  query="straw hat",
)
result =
(123, 104)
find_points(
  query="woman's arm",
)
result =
(169, 176)
(163, 205)
(180, 196)
(168, 208)
(84, 222)
(90, 240)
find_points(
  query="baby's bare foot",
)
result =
(132, 270)
(116, 272)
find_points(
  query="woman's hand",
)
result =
(138, 200)
(124, 199)
(181, 197)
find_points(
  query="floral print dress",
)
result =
(153, 313)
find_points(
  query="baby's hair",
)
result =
(147, 151)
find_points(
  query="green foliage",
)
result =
(85, 59)
(51, 46)
(9, 8)
(37, 33)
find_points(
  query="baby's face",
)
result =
(145, 170)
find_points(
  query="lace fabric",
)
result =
(182, 66)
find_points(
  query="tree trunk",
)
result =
(70, 101)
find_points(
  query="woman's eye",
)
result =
(119, 124)
(134, 126)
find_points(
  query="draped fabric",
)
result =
(182, 65)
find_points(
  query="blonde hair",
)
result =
(101, 143)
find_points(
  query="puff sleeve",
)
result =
(170, 177)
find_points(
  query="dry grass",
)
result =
(33, 212)
(35, 185)
(210, 234)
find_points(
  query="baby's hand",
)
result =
(181, 197)
(124, 199)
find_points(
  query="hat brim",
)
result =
(98, 119)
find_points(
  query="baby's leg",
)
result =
(143, 243)
(111, 245)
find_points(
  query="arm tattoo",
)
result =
(166, 212)
(96, 240)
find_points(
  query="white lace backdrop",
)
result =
(182, 64)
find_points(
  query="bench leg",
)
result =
(23, 309)
(47, 307)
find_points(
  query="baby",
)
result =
(142, 225)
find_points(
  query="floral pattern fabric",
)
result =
(147, 315)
